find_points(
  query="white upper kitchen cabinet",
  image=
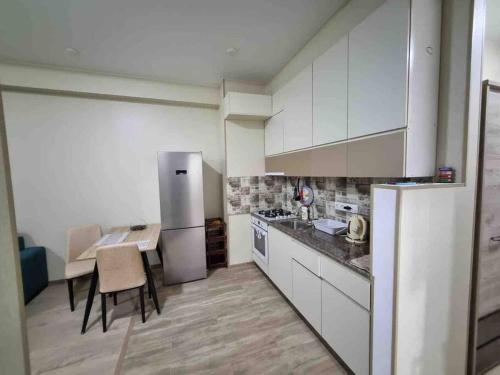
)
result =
(330, 94)
(298, 111)
(278, 100)
(274, 134)
(393, 71)
(243, 106)
(378, 58)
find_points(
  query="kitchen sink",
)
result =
(295, 224)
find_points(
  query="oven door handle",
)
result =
(258, 230)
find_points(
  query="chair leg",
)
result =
(143, 313)
(71, 296)
(103, 309)
(115, 298)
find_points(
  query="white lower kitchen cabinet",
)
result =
(345, 326)
(306, 256)
(346, 280)
(280, 261)
(306, 289)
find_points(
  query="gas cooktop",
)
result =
(275, 214)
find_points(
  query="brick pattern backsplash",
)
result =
(328, 190)
(250, 194)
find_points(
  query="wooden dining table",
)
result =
(152, 234)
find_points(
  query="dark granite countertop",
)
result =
(335, 247)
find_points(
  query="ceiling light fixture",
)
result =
(231, 51)
(71, 51)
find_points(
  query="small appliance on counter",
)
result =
(330, 226)
(357, 229)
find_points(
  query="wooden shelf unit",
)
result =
(216, 243)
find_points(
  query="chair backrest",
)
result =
(120, 267)
(80, 239)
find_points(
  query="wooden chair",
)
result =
(120, 268)
(79, 240)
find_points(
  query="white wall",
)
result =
(14, 353)
(452, 116)
(78, 82)
(432, 299)
(491, 60)
(243, 86)
(431, 279)
(77, 161)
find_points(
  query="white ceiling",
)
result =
(172, 40)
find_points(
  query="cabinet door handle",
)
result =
(495, 239)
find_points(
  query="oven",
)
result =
(259, 240)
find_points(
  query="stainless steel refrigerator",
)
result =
(182, 237)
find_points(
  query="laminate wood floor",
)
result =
(233, 322)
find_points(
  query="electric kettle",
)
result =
(357, 229)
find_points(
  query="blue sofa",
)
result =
(33, 269)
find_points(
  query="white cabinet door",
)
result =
(298, 111)
(306, 288)
(278, 99)
(267, 137)
(378, 74)
(330, 94)
(277, 133)
(306, 256)
(280, 261)
(346, 328)
(347, 281)
(274, 134)
(243, 106)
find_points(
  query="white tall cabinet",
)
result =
(330, 94)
